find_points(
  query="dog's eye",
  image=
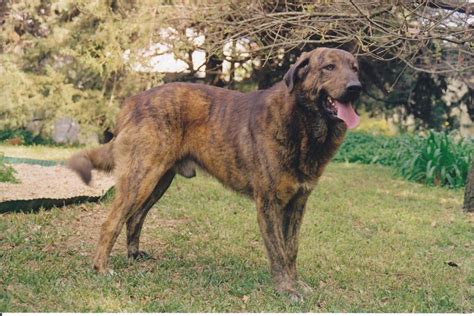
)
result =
(329, 67)
(355, 69)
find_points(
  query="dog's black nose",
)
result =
(354, 87)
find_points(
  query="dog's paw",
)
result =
(293, 295)
(140, 255)
(101, 269)
(296, 296)
(305, 288)
(292, 292)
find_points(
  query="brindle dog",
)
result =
(271, 145)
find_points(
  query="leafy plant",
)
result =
(76, 59)
(22, 137)
(6, 172)
(368, 149)
(435, 160)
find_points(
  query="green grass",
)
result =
(38, 151)
(7, 173)
(369, 243)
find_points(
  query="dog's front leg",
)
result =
(270, 220)
(292, 219)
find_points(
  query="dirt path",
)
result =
(52, 182)
(81, 225)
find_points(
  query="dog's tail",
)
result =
(100, 158)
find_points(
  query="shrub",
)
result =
(75, 59)
(22, 137)
(366, 148)
(435, 160)
(6, 172)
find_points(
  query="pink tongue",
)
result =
(346, 113)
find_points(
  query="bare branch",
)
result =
(467, 8)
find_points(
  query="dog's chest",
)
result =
(318, 143)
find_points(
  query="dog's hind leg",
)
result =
(132, 192)
(135, 222)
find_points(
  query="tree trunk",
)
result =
(214, 71)
(469, 191)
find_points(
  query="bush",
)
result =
(436, 159)
(6, 172)
(75, 59)
(22, 137)
(366, 148)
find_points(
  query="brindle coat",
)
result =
(271, 145)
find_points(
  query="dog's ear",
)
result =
(291, 75)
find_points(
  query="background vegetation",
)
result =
(434, 159)
(7, 173)
(67, 58)
(81, 58)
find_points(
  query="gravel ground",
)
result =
(52, 182)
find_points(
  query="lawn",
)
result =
(37, 151)
(370, 243)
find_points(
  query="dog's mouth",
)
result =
(341, 110)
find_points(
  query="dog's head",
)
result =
(326, 80)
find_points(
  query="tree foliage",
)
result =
(409, 50)
(66, 58)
